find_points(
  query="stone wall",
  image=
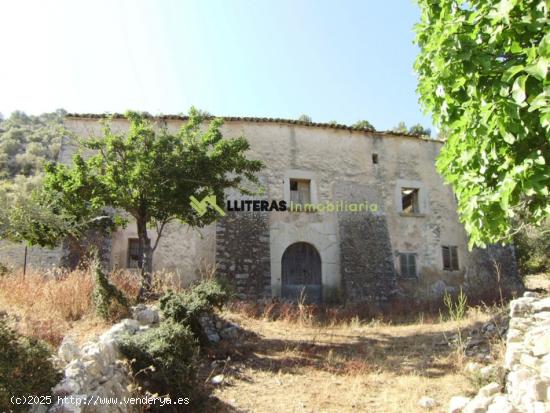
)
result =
(13, 255)
(369, 246)
(97, 370)
(527, 362)
(242, 253)
(368, 271)
(72, 255)
(491, 268)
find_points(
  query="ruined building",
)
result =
(380, 220)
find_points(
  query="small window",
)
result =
(300, 191)
(409, 200)
(407, 264)
(374, 158)
(450, 258)
(133, 253)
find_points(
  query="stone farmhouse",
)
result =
(381, 221)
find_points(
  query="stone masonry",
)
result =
(242, 252)
(527, 362)
(368, 272)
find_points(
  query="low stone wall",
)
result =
(527, 362)
(96, 373)
(13, 255)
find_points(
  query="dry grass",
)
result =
(44, 305)
(398, 311)
(52, 304)
(293, 358)
(294, 365)
(66, 296)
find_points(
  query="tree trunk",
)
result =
(146, 261)
(74, 252)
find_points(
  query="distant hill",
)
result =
(27, 141)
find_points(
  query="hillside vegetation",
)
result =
(27, 142)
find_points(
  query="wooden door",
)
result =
(301, 273)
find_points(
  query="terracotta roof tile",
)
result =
(258, 120)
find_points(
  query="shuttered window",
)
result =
(133, 253)
(407, 264)
(450, 257)
(300, 191)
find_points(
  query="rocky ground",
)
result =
(525, 384)
(371, 367)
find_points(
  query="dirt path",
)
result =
(282, 367)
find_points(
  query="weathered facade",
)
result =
(406, 237)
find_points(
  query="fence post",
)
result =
(25, 262)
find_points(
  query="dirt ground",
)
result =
(367, 367)
(373, 367)
(289, 366)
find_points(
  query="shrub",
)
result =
(163, 359)
(110, 303)
(3, 269)
(187, 306)
(25, 368)
(532, 246)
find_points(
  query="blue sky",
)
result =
(333, 60)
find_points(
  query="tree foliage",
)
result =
(29, 213)
(363, 124)
(46, 210)
(28, 142)
(416, 129)
(150, 173)
(532, 246)
(305, 118)
(26, 368)
(401, 127)
(483, 74)
(420, 130)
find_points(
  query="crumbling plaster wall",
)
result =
(340, 166)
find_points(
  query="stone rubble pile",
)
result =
(527, 362)
(97, 371)
(216, 328)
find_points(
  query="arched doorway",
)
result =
(301, 273)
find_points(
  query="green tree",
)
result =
(39, 211)
(419, 130)
(28, 142)
(483, 74)
(401, 127)
(305, 118)
(150, 174)
(532, 246)
(363, 124)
